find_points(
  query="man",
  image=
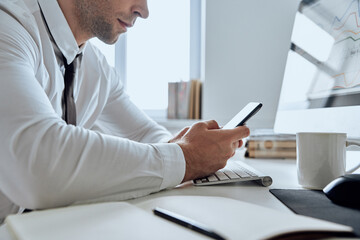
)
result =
(64, 141)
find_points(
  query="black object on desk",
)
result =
(345, 190)
(315, 204)
(188, 223)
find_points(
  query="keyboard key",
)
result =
(231, 174)
(204, 180)
(221, 175)
(213, 178)
(251, 173)
(241, 173)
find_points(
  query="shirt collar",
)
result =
(60, 29)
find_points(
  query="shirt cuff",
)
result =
(166, 139)
(173, 164)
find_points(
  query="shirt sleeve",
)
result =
(46, 163)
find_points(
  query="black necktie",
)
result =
(68, 102)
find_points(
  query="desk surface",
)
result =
(282, 171)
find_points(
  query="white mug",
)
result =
(321, 158)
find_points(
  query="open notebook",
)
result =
(120, 220)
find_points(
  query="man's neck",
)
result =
(68, 9)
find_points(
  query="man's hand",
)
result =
(207, 148)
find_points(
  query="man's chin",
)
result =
(111, 40)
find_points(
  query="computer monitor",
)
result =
(321, 85)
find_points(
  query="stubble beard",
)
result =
(92, 20)
(103, 31)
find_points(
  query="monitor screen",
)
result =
(321, 85)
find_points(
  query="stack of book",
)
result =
(184, 100)
(267, 144)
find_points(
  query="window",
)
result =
(163, 48)
(158, 52)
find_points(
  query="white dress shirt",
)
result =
(114, 153)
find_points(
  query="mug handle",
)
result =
(348, 143)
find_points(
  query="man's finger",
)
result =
(240, 143)
(237, 133)
(183, 131)
(212, 124)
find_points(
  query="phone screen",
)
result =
(245, 114)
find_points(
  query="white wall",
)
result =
(245, 56)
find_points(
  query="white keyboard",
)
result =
(234, 171)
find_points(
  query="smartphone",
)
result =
(245, 114)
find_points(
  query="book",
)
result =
(270, 144)
(184, 100)
(172, 101)
(197, 97)
(121, 220)
(269, 134)
(278, 153)
(192, 100)
(264, 143)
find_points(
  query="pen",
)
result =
(186, 222)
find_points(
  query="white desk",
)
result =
(283, 173)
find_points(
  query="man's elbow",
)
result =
(37, 197)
